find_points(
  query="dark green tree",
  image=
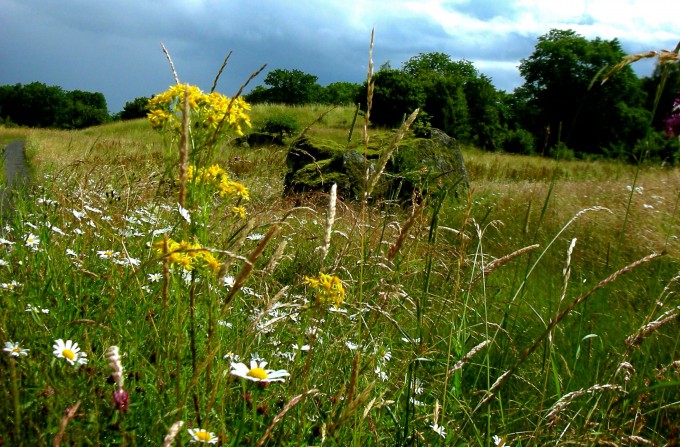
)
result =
(137, 108)
(484, 109)
(446, 105)
(340, 93)
(395, 95)
(82, 109)
(287, 87)
(438, 64)
(562, 103)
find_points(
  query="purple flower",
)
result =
(672, 123)
(122, 399)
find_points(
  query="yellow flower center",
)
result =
(203, 435)
(16, 350)
(258, 373)
(68, 354)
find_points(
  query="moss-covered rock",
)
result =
(314, 165)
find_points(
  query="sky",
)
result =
(114, 47)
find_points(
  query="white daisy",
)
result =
(155, 277)
(202, 436)
(257, 373)
(14, 350)
(439, 430)
(69, 351)
(32, 241)
(184, 213)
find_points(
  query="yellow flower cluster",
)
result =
(207, 109)
(327, 289)
(217, 176)
(188, 255)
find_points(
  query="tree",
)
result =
(39, 105)
(394, 95)
(137, 108)
(484, 104)
(562, 99)
(287, 87)
(438, 64)
(340, 93)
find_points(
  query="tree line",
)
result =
(566, 108)
(39, 105)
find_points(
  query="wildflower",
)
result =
(231, 357)
(122, 399)
(32, 241)
(228, 281)
(36, 309)
(184, 213)
(202, 436)
(113, 355)
(672, 122)
(496, 440)
(4, 241)
(439, 429)
(351, 346)
(14, 350)
(238, 211)
(10, 286)
(257, 372)
(328, 289)
(107, 254)
(155, 277)
(381, 374)
(70, 351)
(255, 237)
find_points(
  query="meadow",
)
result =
(539, 307)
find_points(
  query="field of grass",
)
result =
(539, 308)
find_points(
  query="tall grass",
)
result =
(495, 317)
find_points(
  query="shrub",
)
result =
(519, 141)
(281, 124)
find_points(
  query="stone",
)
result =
(315, 164)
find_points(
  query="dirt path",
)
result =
(16, 173)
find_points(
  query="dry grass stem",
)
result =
(70, 412)
(294, 401)
(247, 268)
(172, 66)
(644, 332)
(559, 317)
(493, 265)
(219, 72)
(459, 364)
(172, 433)
(404, 231)
(184, 149)
(330, 219)
(385, 156)
(568, 398)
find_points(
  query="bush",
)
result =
(281, 124)
(519, 141)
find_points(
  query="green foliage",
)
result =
(287, 87)
(395, 94)
(137, 108)
(39, 105)
(562, 97)
(283, 124)
(519, 141)
(340, 93)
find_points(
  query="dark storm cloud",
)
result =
(114, 46)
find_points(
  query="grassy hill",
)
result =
(514, 311)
